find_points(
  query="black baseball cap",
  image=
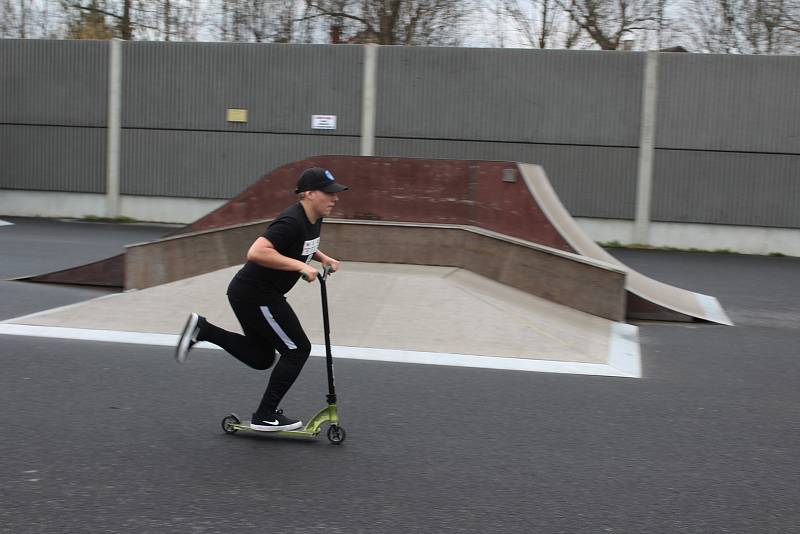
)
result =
(317, 178)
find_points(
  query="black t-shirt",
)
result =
(292, 235)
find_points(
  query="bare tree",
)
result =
(536, 20)
(609, 22)
(9, 19)
(23, 15)
(94, 15)
(48, 23)
(661, 21)
(164, 20)
(87, 20)
(792, 22)
(391, 22)
(24, 19)
(763, 26)
(169, 20)
(744, 26)
(257, 20)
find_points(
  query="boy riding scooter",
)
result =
(275, 261)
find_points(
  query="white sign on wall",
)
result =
(323, 122)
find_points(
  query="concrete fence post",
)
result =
(644, 180)
(369, 100)
(113, 128)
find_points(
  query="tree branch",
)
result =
(335, 14)
(97, 10)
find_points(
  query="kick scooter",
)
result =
(232, 424)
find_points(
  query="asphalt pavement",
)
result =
(31, 246)
(102, 437)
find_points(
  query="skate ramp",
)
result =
(109, 272)
(562, 277)
(659, 295)
(388, 312)
(500, 197)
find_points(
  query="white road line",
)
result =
(5, 223)
(625, 359)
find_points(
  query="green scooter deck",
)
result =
(232, 424)
(298, 433)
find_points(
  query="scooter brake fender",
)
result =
(325, 415)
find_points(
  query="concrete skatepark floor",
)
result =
(437, 310)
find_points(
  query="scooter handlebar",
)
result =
(326, 270)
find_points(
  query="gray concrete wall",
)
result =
(188, 86)
(726, 136)
(53, 83)
(737, 188)
(53, 105)
(728, 140)
(52, 158)
(177, 139)
(205, 164)
(533, 96)
(729, 103)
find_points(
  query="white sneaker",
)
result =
(188, 338)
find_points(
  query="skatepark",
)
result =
(446, 291)
(580, 437)
(497, 369)
(443, 294)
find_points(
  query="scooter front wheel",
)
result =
(228, 422)
(336, 434)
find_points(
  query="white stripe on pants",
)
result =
(277, 328)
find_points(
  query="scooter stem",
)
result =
(331, 398)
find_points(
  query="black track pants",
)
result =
(270, 324)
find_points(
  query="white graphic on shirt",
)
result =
(309, 248)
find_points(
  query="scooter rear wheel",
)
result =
(227, 423)
(336, 434)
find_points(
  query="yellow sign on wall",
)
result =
(237, 115)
